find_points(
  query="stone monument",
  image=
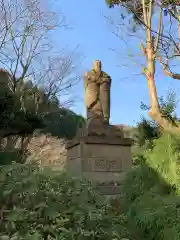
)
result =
(99, 152)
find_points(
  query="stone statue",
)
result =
(97, 86)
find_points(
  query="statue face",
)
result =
(97, 65)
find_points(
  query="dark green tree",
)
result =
(22, 112)
(63, 123)
(146, 132)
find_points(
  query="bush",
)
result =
(36, 204)
(150, 193)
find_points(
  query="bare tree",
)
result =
(29, 56)
(58, 77)
(26, 51)
(160, 43)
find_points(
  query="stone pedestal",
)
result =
(100, 159)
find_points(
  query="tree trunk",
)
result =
(155, 111)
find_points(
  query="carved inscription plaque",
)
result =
(106, 165)
(102, 165)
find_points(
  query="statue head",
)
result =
(97, 66)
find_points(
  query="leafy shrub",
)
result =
(150, 193)
(147, 131)
(165, 158)
(157, 216)
(36, 204)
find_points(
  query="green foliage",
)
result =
(36, 204)
(150, 193)
(14, 119)
(134, 8)
(14, 155)
(29, 108)
(167, 106)
(63, 123)
(148, 130)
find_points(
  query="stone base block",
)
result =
(100, 159)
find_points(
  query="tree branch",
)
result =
(167, 71)
(159, 31)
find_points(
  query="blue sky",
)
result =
(93, 34)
